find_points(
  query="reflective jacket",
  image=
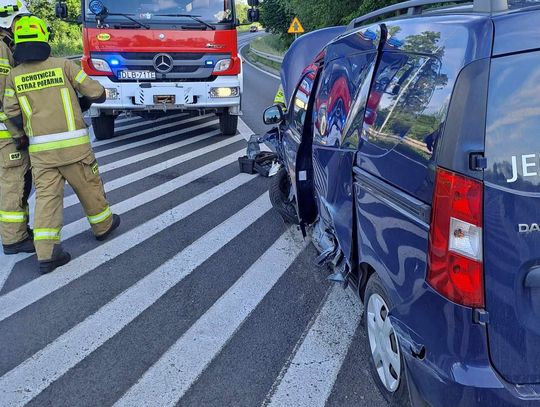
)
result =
(6, 63)
(45, 94)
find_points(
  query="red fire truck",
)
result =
(155, 56)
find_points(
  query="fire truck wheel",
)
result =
(103, 126)
(228, 123)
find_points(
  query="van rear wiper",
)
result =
(196, 18)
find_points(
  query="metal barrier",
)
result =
(269, 57)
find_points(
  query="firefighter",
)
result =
(15, 174)
(279, 99)
(41, 98)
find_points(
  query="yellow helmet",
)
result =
(31, 29)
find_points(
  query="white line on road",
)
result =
(161, 137)
(162, 166)
(308, 380)
(124, 127)
(81, 225)
(156, 151)
(30, 378)
(22, 297)
(143, 132)
(176, 371)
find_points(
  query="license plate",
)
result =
(136, 75)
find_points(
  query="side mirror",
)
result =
(61, 10)
(253, 3)
(254, 15)
(273, 115)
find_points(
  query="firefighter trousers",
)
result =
(15, 187)
(83, 176)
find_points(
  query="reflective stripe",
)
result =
(81, 76)
(56, 145)
(9, 93)
(51, 138)
(5, 135)
(27, 109)
(68, 109)
(46, 234)
(3, 117)
(3, 127)
(4, 61)
(13, 217)
(103, 216)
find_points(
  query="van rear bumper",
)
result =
(447, 358)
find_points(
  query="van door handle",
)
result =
(533, 278)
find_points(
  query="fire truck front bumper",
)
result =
(223, 92)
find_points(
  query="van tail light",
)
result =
(456, 267)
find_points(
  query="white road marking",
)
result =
(157, 151)
(8, 262)
(257, 68)
(124, 127)
(161, 137)
(31, 377)
(309, 378)
(144, 132)
(22, 297)
(176, 371)
(162, 166)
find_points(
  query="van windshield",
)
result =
(149, 11)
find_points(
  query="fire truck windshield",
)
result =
(167, 11)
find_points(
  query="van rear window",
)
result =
(513, 123)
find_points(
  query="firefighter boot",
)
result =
(59, 258)
(114, 226)
(26, 246)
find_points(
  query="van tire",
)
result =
(280, 185)
(399, 397)
(228, 123)
(103, 126)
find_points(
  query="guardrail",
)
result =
(269, 57)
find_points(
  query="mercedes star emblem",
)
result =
(163, 63)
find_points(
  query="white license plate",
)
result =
(136, 75)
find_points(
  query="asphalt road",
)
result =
(204, 297)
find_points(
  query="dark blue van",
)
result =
(411, 148)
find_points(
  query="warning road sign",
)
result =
(296, 27)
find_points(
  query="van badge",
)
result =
(162, 36)
(104, 37)
(524, 228)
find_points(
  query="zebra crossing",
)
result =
(204, 297)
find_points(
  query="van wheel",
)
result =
(386, 362)
(103, 126)
(228, 123)
(280, 196)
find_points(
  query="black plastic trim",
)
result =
(398, 199)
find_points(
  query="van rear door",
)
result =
(512, 217)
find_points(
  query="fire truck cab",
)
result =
(155, 56)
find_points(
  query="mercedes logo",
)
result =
(163, 63)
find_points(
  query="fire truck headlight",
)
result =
(101, 65)
(224, 92)
(223, 65)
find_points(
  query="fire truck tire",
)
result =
(228, 123)
(103, 126)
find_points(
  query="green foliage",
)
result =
(67, 38)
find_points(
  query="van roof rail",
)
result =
(414, 7)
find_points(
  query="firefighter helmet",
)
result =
(31, 29)
(9, 10)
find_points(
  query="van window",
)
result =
(301, 102)
(338, 98)
(404, 118)
(513, 123)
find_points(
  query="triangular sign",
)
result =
(296, 27)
